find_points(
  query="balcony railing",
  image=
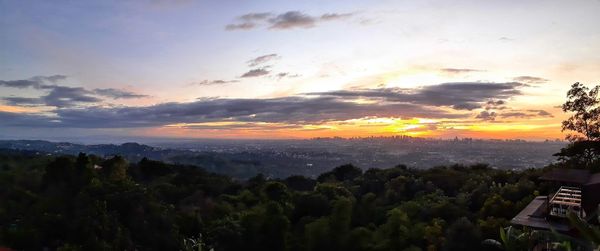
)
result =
(566, 199)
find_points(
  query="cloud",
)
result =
(423, 128)
(255, 73)
(262, 59)
(495, 104)
(286, 75)
(283, 21)
(441, 101)
(288, 110)
(242, 26)
(457, 95)
(10, 119)
(118, 94)
(487, 116)
(292, 110)
(458, 70)
(248, 21)
(25, 83)
(257, 16)
(51, 79)
(292, 19)
(61, 96)
(22, 101)
(526, 114)
(215, 82)
(246, 126)
(335, 16)
(515, 115)
(37, 82)
(530, 79)
(541, 113)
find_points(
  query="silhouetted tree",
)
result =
(584, 149)
(585, 121)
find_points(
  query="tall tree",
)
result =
(585, 105)
(584, 149)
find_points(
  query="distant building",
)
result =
(577, 191)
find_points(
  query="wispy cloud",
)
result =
(336, 16)
(248, 21)
(286, 75)
(118, 94)
(262, 59)
(458, 70)
(215, 82)
(241, 26)
(541, 113)
(255, 73)
(526, 114)
(256, 16)
(283, 21)
(530, 79)
(34, 82)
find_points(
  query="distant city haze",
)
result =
(282, 158)
(92, 71)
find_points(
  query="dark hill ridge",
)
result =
(224, 163)
(72, 148)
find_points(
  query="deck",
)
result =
(534, 216)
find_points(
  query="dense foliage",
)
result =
(583, 104)
(89, 203)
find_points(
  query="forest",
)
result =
(90, 203)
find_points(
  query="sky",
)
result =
(293, 69)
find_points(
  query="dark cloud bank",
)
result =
(442, 101)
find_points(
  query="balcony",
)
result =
(566, 199)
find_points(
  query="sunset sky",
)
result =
(293, 69)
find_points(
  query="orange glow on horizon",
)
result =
(365, 127)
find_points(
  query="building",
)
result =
(576, 191)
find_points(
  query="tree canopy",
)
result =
(583, 151)
(90, 203)
(584, 104)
